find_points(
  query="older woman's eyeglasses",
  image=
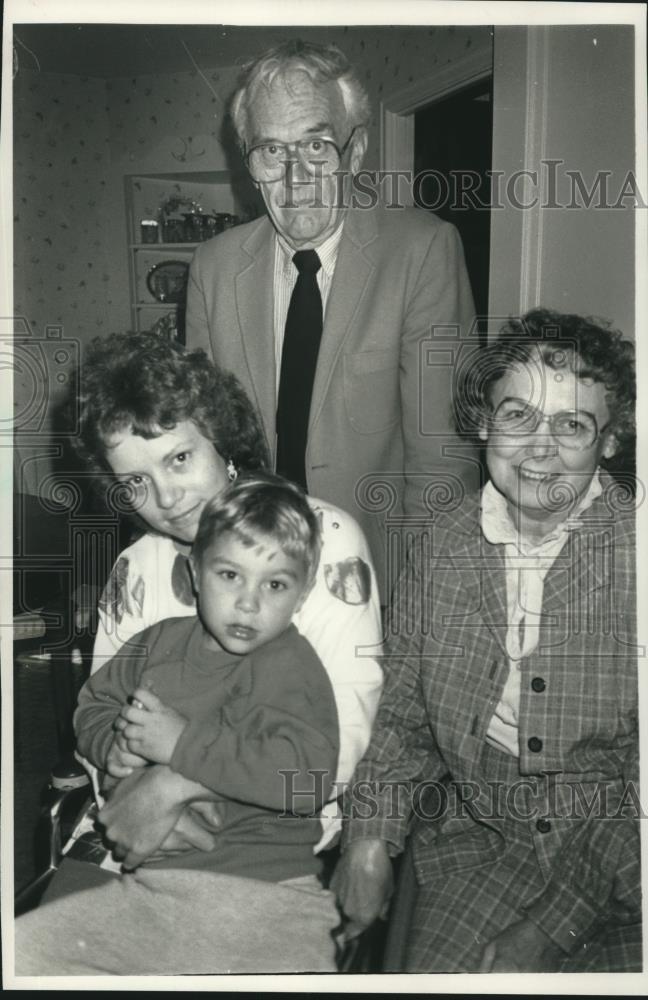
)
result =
(575, 429)
(269, 161)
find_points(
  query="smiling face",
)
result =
(171, 477)
(541, 478)
(305, 208)
(247, 593)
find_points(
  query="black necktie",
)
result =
(298, 360)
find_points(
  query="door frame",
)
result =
(397, 110)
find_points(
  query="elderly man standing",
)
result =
(322, 307)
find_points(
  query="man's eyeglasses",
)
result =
(269, 161)
(575, 429)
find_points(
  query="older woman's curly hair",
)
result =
(145, 384)
(561, 340)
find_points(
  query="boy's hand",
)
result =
(120, 762)
(150, 728)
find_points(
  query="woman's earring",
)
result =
(232, 471)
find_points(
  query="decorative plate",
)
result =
(167, 281)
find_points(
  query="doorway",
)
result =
(453, 141)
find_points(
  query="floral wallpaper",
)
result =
(61, 199)
(163, 124)
(64, 284)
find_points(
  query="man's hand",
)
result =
(522, 947)
(150, 728)
(146, 807)
(363, 882)
(120, 762)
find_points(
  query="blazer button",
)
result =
(538, 684)
(543, 826)
(535, 744)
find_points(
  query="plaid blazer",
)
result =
(445, 666)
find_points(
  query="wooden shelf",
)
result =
(154, 305)
(144, 194)
(164, 246)
(190, 177)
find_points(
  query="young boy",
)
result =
(237, 700)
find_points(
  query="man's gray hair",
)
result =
(322, 63)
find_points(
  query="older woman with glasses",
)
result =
(507, 734)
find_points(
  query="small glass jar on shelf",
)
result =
(150, 231)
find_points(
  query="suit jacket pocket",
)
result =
(443, 848)
(371, 390)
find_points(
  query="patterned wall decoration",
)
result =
(61, 160)
(64, 282)
(174, 122)
(76, 138)
(164, 124)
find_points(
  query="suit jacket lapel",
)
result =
(487, 597)
(255, 307)
(492, 588)
(353, 270)
(582, 567)
(585, 563)
(579, 569)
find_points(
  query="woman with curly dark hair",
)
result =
(148, 384)
(509, 717)
(559, 341)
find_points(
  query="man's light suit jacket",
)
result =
(380, 410)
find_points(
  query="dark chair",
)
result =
(363, 954)
(44, 581)
(68, 790)
(400, 914)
